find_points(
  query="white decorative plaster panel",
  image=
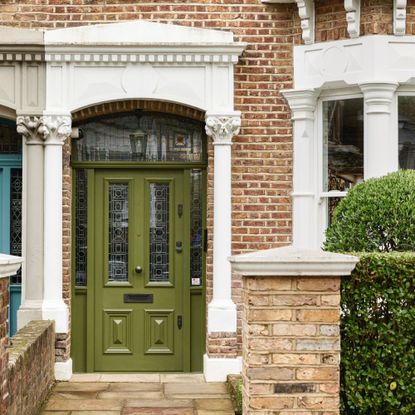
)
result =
(351, 62)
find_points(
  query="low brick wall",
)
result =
(290, 330)
(4, 356)
(31, 367)
(291, 345)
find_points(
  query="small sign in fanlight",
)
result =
(195, 281)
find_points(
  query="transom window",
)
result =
(141, 137)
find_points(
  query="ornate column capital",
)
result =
(31, 127)
(58, 128)
(222, 127)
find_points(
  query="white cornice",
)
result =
(146, 53)
(291, 261)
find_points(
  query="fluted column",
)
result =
(33, 132)
(381, 146)
(57, 130)
(222, 310)
(303, 105)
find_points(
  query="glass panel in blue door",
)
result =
(159, 232)
(118, 233)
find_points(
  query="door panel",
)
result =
(138, 271)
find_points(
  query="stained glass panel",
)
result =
(196, 237)
(16, 219)
(159, 232)
(10, 140)
(118, 232)
(140, 137)
(81, 229)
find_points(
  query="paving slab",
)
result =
(84, 404)
(73, 395)
(182, 378)
(156, 395)
(191, 388)
(80, 387)
(207, 412)
(158, 411)
(130, 377)
(213, 404)
(162, 403)
(94, 413)
(134, 386)
(86, 377)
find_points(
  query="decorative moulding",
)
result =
(292, 261)
(399, 17)
(9, 265)
(352, 8)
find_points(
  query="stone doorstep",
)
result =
(139, 377)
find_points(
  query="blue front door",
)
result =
(11, 207)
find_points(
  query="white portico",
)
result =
(70, 69)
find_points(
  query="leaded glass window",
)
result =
(118, 232)
(141, 137)
(81, 228)
(196, 235)
(159, 232)
(10, 140)
(16, 218)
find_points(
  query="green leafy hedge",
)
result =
(376, 215)
(378, 336)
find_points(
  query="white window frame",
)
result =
(323, 196)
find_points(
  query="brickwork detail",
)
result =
(4, 342)
(31, 367)
(291, 345)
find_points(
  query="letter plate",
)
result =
(138, 298)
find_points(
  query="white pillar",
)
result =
(222, 310)
(31, 128)
(381, 153)
(305, 185)
(58, 129)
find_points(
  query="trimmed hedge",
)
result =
(376, 215)
(378, 336)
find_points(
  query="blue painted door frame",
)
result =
(8, 162)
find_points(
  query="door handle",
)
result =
(138, 269)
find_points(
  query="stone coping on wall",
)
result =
(292, 261)
(9, 265)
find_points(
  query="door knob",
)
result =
(138, 269)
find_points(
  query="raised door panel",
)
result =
(117, 332)
(159, 331)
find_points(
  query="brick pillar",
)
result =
(8, 266)
(290, 330)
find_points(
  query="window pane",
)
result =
(406, 111)
(81, 228)
(159, 232)
(10, 140)
(342, 144)
(16, 219)
(140, 137)
(118, 232)
(196, 239)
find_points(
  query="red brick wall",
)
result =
(4, 342)
(31, 367)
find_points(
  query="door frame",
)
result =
(83, 298)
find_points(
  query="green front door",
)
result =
(140, 317)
